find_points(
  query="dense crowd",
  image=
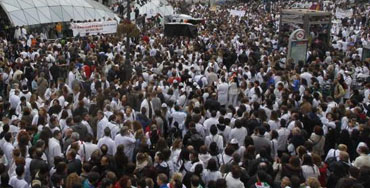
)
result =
(224, 109)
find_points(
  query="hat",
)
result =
(164, 105)
(175, 81)
(234, 141)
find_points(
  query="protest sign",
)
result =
(239, 13)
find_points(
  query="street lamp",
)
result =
(127, 65)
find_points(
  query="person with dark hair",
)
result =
(283, 133)
(259, 139)
(161, 165)
(74, 165)
(233, 178)
(5, 180)
(195, 181)
(8, 147)
(293, 168)
(211, 173)
(221, 183)
(238, 132)
(18, 180)
(318, 140)
(92, 180)
(214, 137)
(79, 127)
(54, 146)
(309, 169)
(213, 120)
(36, 161)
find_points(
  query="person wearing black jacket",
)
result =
(338, 169)
(36, 162)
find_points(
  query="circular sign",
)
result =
(300, 35)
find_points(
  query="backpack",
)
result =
(225, 167)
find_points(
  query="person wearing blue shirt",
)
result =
(162, 180)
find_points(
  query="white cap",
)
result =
(164, 105)
(234, 141)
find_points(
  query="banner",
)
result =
(94, 28)
(239, 13)
(340, 13)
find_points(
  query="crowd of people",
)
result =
(226, 109)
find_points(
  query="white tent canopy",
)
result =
(33, 12)
(155, 7)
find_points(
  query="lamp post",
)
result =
(127, 65)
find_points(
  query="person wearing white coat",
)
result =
(214, 137)
(128, 140)
(54, 148)
(222, 92)
(107, 140)
(211, 173)
(87, 148)
(8, 148)
(233, 178)
(233, 92)
(102, 123)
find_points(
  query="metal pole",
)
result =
(127, 64)
(127, 36)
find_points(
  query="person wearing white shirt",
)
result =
(364, 158)
(87, 148)
(348, 81)
(233, 178)
(274, 121)
(102, 123)
(18, 180)
(283, 133)
(199, 126)
(223, 129)
(335, 152)
(8, 148)
(22, 105)
(328, 122)
(210, 121)
(71, 77)
(54, 148)
(107, 140)
(211, 173)
(127, 139)
(179, 117)
(14, 100)
(238, 132)
(222, 92)
(309, 169)
(214, 137)
(147, 104)
(85, 122)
